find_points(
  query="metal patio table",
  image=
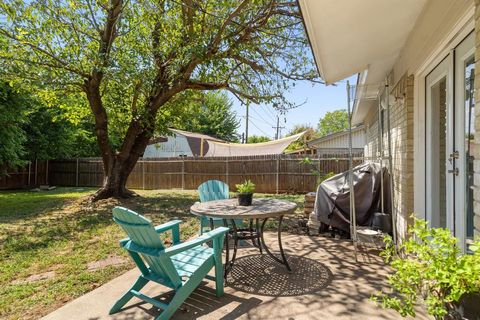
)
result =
(258, 214)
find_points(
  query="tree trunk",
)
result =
(115, 180)
(118, 167)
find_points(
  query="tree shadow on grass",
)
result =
(70, 220)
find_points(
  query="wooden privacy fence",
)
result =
(271, 174)
(33, 174)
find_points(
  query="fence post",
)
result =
(226, 172)
(46, 173)
(29, 171)
(277, 174)
(36, 171)
(77, 174)
(183, 174)
(143, 173)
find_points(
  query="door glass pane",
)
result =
(439, 146)
(469, 145)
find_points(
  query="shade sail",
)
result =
(222, 149)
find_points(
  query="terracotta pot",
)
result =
(245, 199)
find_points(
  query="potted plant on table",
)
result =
(429, 265)
(245, 193)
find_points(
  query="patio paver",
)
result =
(343, 292)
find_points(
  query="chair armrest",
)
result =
(132, 246)
(208, 236)
(167, 226)
(162, 228)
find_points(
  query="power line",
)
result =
(263, 119)
(264, 133)
(270, 113)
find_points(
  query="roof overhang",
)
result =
(364, 37)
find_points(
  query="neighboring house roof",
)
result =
(222, 149)
(340, 139)
(158, 140)
(194, 140)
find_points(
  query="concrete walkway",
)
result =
(326, 283)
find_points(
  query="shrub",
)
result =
(431, 266)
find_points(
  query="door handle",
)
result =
(454, 171)
(454, 155)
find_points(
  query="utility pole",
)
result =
(246, 124)
(277, 128)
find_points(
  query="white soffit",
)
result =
(350, 36)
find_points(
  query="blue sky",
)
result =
(319, 100)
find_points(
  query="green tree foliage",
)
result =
(130, 59)
(258, 139)
(29, 130)
(211, 114)
(310, 134)
(54, 137)
(332, 122)
(12, 107)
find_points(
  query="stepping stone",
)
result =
(36, 277)
(110, 261)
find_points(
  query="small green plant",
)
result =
(319, 175)
(429, 265)
(246, 187)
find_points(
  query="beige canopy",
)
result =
(223, 149)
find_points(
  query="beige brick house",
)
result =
(424, 50)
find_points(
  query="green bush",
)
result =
(429, 265)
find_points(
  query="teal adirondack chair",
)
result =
(168, 265)
(209, 191)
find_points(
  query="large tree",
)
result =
(310, 134)
(332, 122)
(130, 59)
(258, 139)
(213, 115)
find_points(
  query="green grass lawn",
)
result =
(49, 239)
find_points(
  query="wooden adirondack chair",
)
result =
(209, 191)
(168, 265)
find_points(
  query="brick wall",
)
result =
(401, 130)
(476, 191)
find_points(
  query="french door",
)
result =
(450, 128)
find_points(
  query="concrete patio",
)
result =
(326, 283)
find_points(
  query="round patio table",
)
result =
(258, 214)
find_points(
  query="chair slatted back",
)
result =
(213, 190)
(141, 232)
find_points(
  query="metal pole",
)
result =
(246, 124)
(390, 165)
(380, 150)
(353, 218)
(277, 128)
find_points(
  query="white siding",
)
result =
(341, 141)
(177, 145)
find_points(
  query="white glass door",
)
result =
(449, 147)
(439, 164)
(464, 134)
